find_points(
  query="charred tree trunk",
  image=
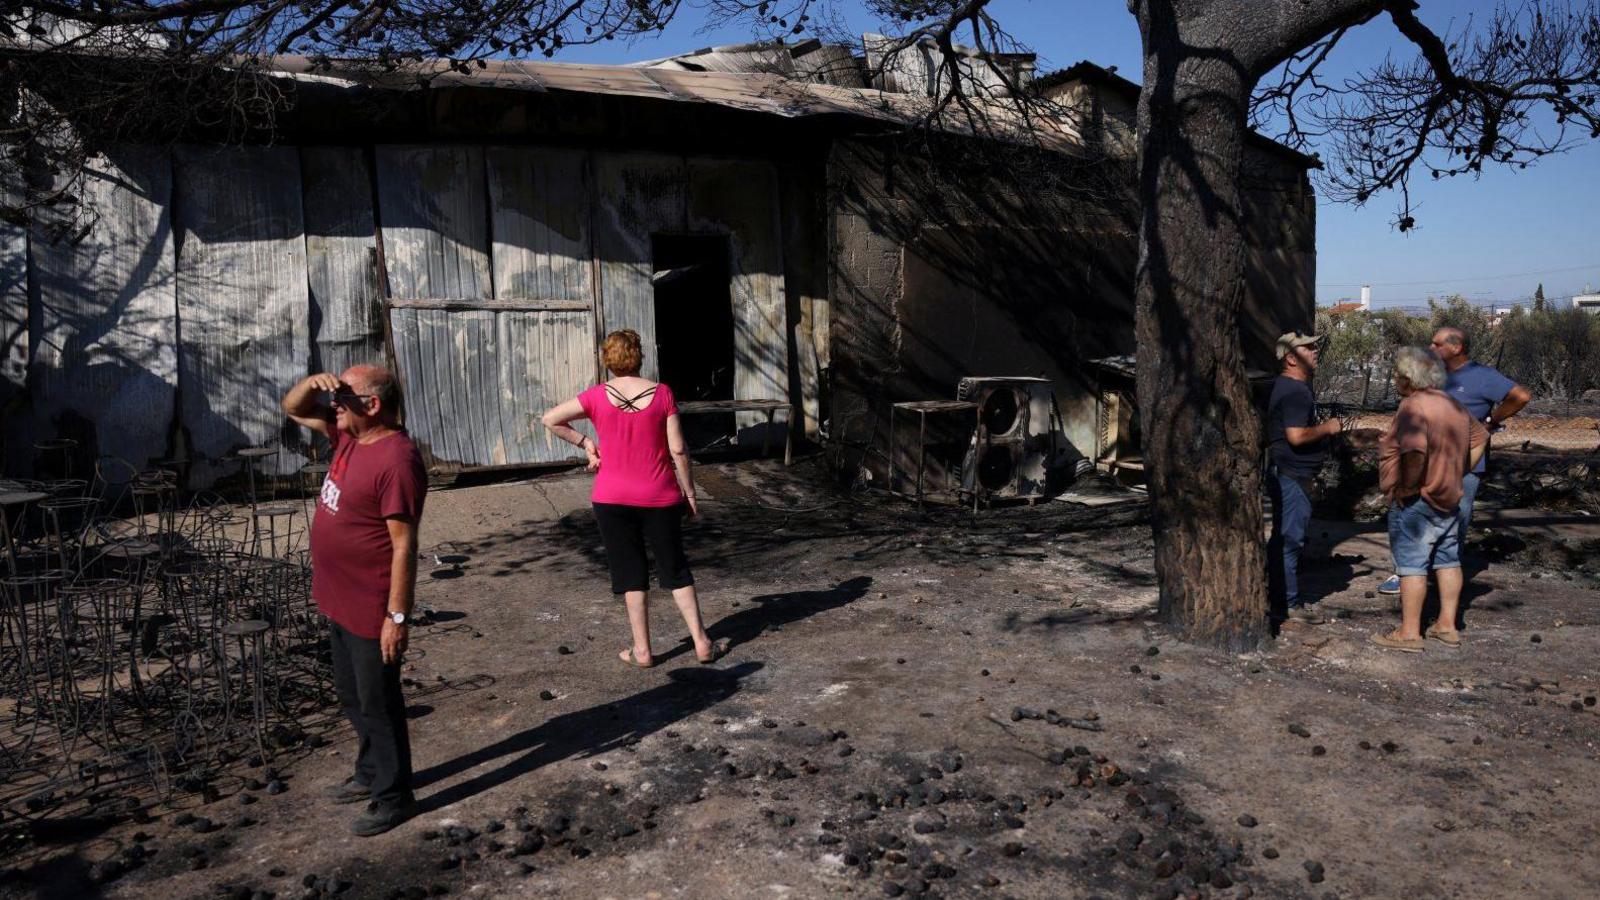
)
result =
(1201, 432)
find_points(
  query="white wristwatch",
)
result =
(399, 618)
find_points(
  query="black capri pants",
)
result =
(626, 530)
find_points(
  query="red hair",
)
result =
(621, 352)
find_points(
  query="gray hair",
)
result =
(1418, 366)
(1455, 336)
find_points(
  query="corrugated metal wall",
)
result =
(495, 344)
(244, 334)
(541, 204)
(212, 278)
(104, 363)
(341, 258)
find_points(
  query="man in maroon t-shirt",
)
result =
(364, 572)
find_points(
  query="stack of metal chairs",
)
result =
(150, 641)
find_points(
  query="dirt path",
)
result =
(928, 705)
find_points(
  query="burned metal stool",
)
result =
(58, 450)
(15, 507)
(312, 476)
(273, 528)
(252, 672)
(248, 457)
(93, 614)
(135, 562)
(155, 497)
(33, 670)
(67, 520)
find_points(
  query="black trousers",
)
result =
(369, 696)
(626, 530)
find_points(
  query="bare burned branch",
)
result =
(1523, 86)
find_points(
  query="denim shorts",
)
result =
(1423, 538)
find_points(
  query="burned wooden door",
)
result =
(491, 298)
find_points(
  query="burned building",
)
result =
(770, 219)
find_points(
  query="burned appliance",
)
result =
(1015, 443)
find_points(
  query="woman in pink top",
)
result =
(641, 492)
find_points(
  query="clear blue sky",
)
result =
(1492, 240)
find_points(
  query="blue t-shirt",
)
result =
(1478, 388)
(1292, 405)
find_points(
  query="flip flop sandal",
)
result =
(628, 657)
(1390, 642)
(1451, 638)
(719, 649)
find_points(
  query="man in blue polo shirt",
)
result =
(1488, 396)
(1297, 444)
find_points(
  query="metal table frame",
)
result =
(770, 407)
(922, 408)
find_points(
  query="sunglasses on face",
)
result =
(351, 400)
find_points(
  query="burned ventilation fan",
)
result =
(1014, 445)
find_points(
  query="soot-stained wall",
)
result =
(953, 263)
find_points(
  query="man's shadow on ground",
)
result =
(771, 612)
(586, 732)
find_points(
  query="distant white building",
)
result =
(1587, 302)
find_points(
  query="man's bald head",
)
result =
(380, 383)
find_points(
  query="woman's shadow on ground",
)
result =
(771, 612)
(586, 732)
(598, 729)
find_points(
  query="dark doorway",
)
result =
(694, 327)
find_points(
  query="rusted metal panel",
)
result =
(104, 369)
(341, 258)
(637, 194)
(741, 199)
(242, 301)
(431, 207)
(486, 375)
(539, 207)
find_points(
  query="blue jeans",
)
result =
(1469, 493)
(1422, 538)
(1291, 514)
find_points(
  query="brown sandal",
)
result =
(719, 649)
(628, 657)
(1390, 642)
(1451, 638)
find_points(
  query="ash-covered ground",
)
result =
(924, 705)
